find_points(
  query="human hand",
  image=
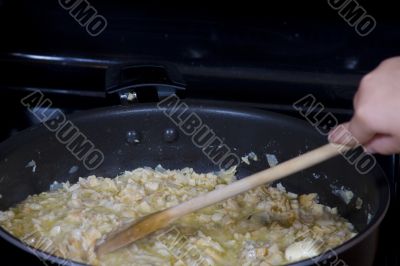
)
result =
(376, 119)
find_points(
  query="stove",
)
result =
(255, 56)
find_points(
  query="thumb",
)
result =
(383, 144)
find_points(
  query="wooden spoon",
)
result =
(158, 220)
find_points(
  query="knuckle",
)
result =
(373, 78)
(390, 61)
(363, 115)
(367, 81)
(388, 64)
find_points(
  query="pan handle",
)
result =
(144, 82)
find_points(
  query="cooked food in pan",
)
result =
(265, 226)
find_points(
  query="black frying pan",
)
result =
(244, 130)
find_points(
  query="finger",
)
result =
(338, 134)
(360, 129)
(383, 144)
(342, 135)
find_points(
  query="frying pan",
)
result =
(157, 140)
